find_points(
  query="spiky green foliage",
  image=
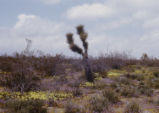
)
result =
(80, 29)
(70, 38)
(75, 48)
(83, 36)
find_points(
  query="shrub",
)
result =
(26, 106)
(152, 82)
(149, 81)
(156, 102)
(75, 84)
(77, 92)
(21, 79)
(128, 91)
(135, 76)
(156, 73)
(140, 77)
(99, 65)
(123, 80)
(133, 107)
(111, 96)
(74, 108)
(6, 66)
(100, 85)
(114, 85)
(131, 76)
(99, 103)
(150, 100)
(116, 66)
(156, 82)
(143, 89)
(50, 65)
(51, 102)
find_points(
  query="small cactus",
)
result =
(75, 48)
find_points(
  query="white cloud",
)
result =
(112, 8)
(34, 26)
(23, 19)
(48, 36)
(90, 11)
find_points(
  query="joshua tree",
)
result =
(84, 52)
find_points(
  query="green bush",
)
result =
(133, 107)
(25, 106)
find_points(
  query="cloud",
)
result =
(90, 11)
(110, 8)
(152, 23)
(34, 26)
(142, 3)
(148, 43)
(47, 35)
(50, 2)
(114, 25)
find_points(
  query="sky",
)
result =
(130, 26)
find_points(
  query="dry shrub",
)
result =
(74, 108)
(144, 89)
(77, 92)
(129, 91)
(50, 65)
(22, 78)
(148, 61)
(133, 107)
(111, 96)
(25, 106)
(99, 104)
(6, 63)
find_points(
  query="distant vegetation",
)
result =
(52, 81)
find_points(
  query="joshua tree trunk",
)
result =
(88, 71)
